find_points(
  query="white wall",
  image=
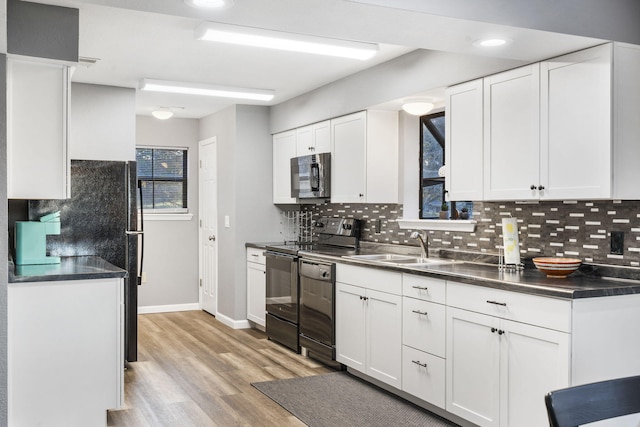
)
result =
(171, 247)
(103, 122)
(244, 194)
(415, 72)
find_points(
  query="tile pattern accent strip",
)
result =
(578, 229)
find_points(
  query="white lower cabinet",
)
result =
(423, 375)
(369, 326)
(65, 352)
(256, 286)
(498, 371)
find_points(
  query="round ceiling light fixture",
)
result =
(210, 4)
(418, 107)
(162, 114)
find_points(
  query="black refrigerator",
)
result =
(101, 218)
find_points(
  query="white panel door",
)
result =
(256, 293)
(576, 125)
(384, 337)
(348, 168)
(208, 225)
(473, 367)
(511, 134)
(534, 361)
(350, 326)
(463, 141)
(284, 148)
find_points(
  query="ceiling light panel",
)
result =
(206, 90)
(257, 37)
(210, 4)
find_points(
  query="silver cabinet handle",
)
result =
(212, 238)
(420, 288)
(422, 313)
(417, 362)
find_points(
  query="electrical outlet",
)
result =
(617, 242)
(377, 226)
(144, 277)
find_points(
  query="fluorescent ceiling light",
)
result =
(210, 4)
(258, 37)
(206, 90)
(417, 108)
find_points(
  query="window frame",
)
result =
(424, 121)
(184, 181)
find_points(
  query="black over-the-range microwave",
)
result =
(311, 176)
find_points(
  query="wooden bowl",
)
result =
(556, 267)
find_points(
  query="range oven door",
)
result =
(282, 286)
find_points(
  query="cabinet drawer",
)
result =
(255, 255)
(424, 325)
(546, 312)
(424, 382)
(424, 288)
(370, 278)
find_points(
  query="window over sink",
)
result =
(432, 188)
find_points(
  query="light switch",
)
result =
(227, 223)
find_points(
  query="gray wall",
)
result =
(42, 30)
(610, 20)
(244, 194)
(171, 247)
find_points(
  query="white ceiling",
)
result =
(134, 39)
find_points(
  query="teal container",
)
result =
(31, 240)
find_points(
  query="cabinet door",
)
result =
(348, 169)
(384, 337)
(350, 326)
(576, 125)
(473, 367)
(322, 137)
(304, 140)
(511, 134)
(284, 148)
(534, 361)
(463, 141)
(382, 152)
(423, 375)
(37, 118)
(256, 293)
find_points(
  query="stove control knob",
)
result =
(346, 226)
(319, 224)
(325, 274)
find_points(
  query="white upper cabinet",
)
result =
(37, 129)
(511, 134)
(575, 139)
(463, 141)
(364, 163)
(565, 128)
(284, 148)
(314, 139)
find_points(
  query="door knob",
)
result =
(212, 238)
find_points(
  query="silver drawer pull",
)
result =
(422, 313)
(255, 255)
(420, 288)
(504, 304)
(417, 362)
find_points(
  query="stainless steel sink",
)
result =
(381, 257)
(396, 259)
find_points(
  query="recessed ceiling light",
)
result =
(259, 37)
(206, 90)
(210, 4)
(490, 42)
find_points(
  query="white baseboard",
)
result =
(168, 308)
(235, 324)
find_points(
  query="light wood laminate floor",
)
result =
(194, 371)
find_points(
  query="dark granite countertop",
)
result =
(530, 280)
(262, 245)
(70, 268)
